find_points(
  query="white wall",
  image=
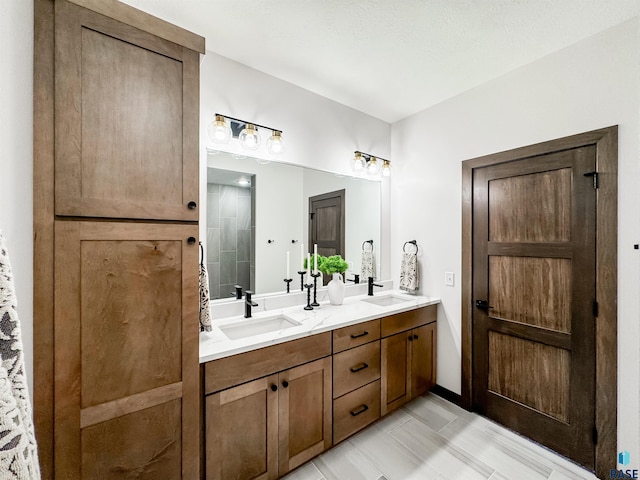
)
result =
(590, 85)
(16, 164)
(319, 133)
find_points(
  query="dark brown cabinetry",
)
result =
(116, 303)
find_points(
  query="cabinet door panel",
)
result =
(126, 334)
(242, 432)
(127, 112)
(304, 413)
(395, 357)
(423, 359)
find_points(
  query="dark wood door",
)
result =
(534, 267)
(126, 110)
(242, 431)
(326, 224)
(126, 344)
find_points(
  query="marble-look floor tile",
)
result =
(393, 420)
(430, 413)
(345, 461)
(444, 457)
(306, 472)
(477, 443)
(390, 457)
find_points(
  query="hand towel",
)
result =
(204, 314)
(409, 273)
(368, 265)
(18, 449)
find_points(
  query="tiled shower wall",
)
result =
(229, 223)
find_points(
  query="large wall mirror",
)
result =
(257, 211)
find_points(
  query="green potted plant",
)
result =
(334, 266)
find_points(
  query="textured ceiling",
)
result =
(390, 58)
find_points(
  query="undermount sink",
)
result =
(257, 326)
(387, 300)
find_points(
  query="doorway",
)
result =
(539, 293)
(326, 224)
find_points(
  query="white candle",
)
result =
(315, 258)
(308, 269)
(302, 256)
(288, 268)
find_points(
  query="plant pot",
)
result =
(335, 289)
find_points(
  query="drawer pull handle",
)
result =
(360, 335)
(361, 409)
(357, 368)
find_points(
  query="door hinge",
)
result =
(596, 183)
(595, 436)
(595, 308)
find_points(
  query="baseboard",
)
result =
(447, 395)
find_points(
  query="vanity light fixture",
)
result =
(372, 165)
(247, 134)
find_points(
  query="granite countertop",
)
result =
(326, 317)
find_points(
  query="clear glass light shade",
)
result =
(373, 167)
(219, 130)
(386, 168)
(275, 144)
(357, 162)
(249, 137)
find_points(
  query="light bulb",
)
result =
(249, 137)
(386, 168)
(275, 144)
(372, 167)
(219, 131)
(357, 162)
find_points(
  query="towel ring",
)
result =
(413, 242)
(370, 242)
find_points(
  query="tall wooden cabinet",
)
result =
(116, 253)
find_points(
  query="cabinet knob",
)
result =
(285, 384)
(411, 338)
(191, 240)
(415, 337)
(192, 205)
(274, 387)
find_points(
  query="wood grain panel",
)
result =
(531, 208)
(116, 450)
(407, 320)
(541, 383)
(135, 96)
(535, 291)
(356, 367)
(130, 291)
(242, 432)
(230, 371)
(355, 335)
(349, 413)
(395, 383)
(423, 359)
(304, 413)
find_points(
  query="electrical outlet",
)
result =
(449, 279)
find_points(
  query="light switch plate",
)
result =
(449, 279)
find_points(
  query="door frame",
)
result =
(606, 143)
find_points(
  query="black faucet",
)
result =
(371, 285)
(356, 278)
(248, 303)
(238, 292)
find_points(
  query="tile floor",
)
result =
(433, 439)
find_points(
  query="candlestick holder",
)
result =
(315, 288)
(302, 273)
(288, 281)
(308, 287)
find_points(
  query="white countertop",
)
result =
(326, 317)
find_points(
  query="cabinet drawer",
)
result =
(355, 368)
(356, 410)
(354, 335)
(408, 320)
(230, 371)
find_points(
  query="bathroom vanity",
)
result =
(275, 399)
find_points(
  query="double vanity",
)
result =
(285, 385)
